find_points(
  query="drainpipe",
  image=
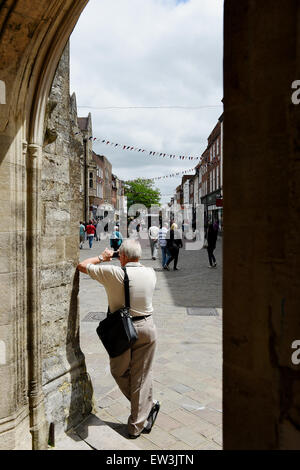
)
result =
(86, 183)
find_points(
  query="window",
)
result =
(100, 190)
(218, 149)
(218, 176)
(91, 180)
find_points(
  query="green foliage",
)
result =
(141, 191)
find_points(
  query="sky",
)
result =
(157, 66)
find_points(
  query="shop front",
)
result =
(213, 208)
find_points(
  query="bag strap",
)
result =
(126, 287)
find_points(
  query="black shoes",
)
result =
(151, 420)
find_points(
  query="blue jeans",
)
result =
(91, 240)
(164, 255)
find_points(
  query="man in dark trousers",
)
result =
(212, 235)
(174, 243)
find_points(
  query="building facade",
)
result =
(89, 168)
(101, 186)
(210, 186)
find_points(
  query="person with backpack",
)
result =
(116, 239)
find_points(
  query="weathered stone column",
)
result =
(36, 398)
(14, 425)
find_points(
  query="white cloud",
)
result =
(149, 53)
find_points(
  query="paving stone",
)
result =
(115, 394)
(145, 444)
(208, 445)
(101, 437)
(70, 442)
(212, 417)
(189, 436)
(169, 406)
(161, 438)
(189, 404)
(186, 418)
(166, 423)
(218, 438)
(105, 402)
(180, 388)
(207, 430)
(180, 445)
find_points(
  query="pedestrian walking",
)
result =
(95, 223)
(153, 237)
(116, 239)
(132, 369)
(90, 230)
(212, 235)
(174, 243)
(162, 240)
(81, 234)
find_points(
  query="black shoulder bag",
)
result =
(117, 332)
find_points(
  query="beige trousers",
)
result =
(132, 371)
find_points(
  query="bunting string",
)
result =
(140, 149)
(155, 178)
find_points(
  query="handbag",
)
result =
(116, 331)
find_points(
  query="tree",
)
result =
(141, 191)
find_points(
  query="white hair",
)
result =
(131, 249)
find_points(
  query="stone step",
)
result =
(93, 433)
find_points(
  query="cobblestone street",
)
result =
(188, 361)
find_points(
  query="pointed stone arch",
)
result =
(37, 33)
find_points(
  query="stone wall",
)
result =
(65, 383)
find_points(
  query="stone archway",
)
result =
(33, 36)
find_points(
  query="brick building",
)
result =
(210, 175)
(103, 184)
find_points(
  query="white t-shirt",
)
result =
(153, 232)
(142, 282)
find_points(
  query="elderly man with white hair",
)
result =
(132, 370)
